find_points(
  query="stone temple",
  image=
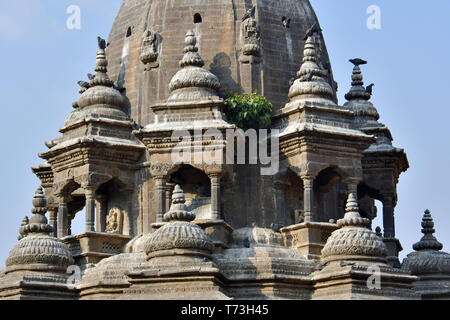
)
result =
(157, 228)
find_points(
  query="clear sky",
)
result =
(408, 61)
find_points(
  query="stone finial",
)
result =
(428, 241)
(101, 77)
(24, 222)
(191, 56)
(192, 81)
(352, 217)
(38, 223)
(354, 240)
(312, 79)
(178, 210)
(358, 91)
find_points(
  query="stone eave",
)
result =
(398, 154)
(299, 106)
(167, 128)
(190, 104)
(91, 141)
(311, 129)
(116, 123)
(382, 128)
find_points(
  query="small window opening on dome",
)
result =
(129, 32)
(286, 22)
(197, 18)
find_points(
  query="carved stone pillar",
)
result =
(169, 191)
(280, 215)
(160, 188)
(52, 212)
(215, 196)
(90, 209)
(62, 217)
(308, 196)
(388, 216)
(101, 213)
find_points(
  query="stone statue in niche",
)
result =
(149, 53)
(251, 49)
(114, 221)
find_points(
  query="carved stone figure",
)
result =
(251, 49)
(114, 221)
(149, 53)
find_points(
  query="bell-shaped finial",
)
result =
(428, 241)
(358, 91)
(191, 56)
(38, 223)
(101, 63)
(178, 210)
(312, 79)
(352, 216)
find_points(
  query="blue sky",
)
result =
(408, 61)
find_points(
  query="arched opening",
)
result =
(129, 32)
(370, 205)
(198, 18)
(197, 189)
(286, 22)
(330, 194)
(294, 205)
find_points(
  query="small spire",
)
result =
(358, 91)
(101, 77)
(312, 79)
(25, 221)
(191, 56)
(178, 208)
(38, 222)
(428, 241)
(352, 217)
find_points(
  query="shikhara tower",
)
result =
(161, 229)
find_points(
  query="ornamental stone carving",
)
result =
(114, 221)
(149, 53)
(251, 49)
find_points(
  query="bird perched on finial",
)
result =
(101, 43)
(84, 84)
(369, 88)
(90, 76)
(315, 28)
(250, 13)
(358, 62)
(325, 65)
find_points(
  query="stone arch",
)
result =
(330, 194)
(196, 186)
